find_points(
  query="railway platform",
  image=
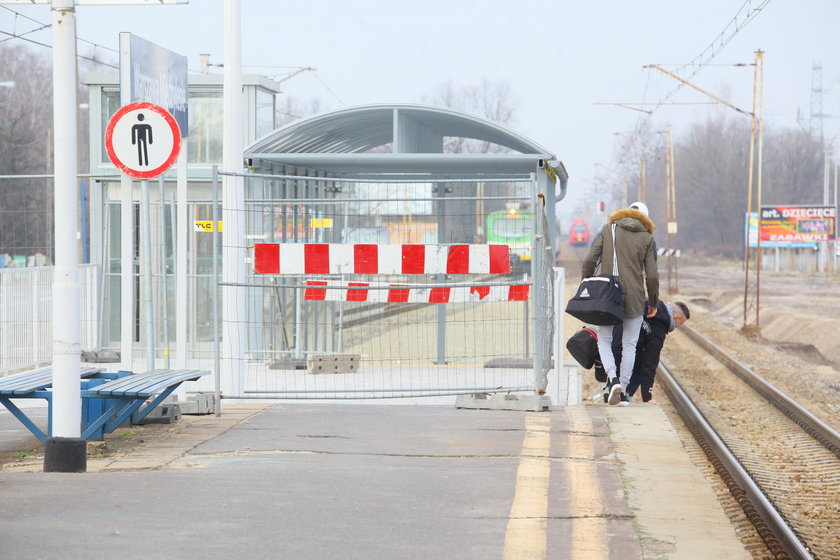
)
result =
(340, 480)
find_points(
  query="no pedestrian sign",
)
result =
(142, 140)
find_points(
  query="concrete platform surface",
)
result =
(351, 481)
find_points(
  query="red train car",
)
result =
(579, 232)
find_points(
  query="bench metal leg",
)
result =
(140, 414)
(24, 419)
(116, 414)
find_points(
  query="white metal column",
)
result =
(67, 402)
(233, 201)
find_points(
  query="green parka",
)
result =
(635, 251)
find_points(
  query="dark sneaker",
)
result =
(615, 391)
(647, 397)
(623, 400)
(606, 393)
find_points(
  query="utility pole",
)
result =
(815, 122)
(671, 213)
(757, 123)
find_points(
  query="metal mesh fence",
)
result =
(26, 220)
(382, 332)
(26, 316)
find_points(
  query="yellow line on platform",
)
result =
(526, 537)
(589, 529)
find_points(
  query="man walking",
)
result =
(636, 255)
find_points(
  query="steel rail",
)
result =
(780, 539)
(818, 429)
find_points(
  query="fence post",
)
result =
(559, 332)
(538, 242)
(4, 322)
(217, 358)
(36, 338)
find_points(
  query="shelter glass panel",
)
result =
(206, 123)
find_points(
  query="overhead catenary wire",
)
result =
(723, 38)
(42, 26)
(746, 13)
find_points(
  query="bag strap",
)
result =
(615, 258)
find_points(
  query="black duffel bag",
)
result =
(598, 300)
(583, 346)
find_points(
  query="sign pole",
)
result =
(146, 254)
(66, 451)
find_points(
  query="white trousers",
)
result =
(629, 338)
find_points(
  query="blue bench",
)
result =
(108, 399)
(33, 384)
(123, 397)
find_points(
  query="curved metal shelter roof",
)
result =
(340, 142)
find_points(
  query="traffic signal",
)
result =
(601, 207)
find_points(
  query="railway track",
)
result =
(780, 462)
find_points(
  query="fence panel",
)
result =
(26, 315)
(336, 276)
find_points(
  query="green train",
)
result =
(512, 228)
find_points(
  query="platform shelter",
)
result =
(374, 237)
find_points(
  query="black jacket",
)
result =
(648, 348)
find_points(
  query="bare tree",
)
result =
(294, 108)
(491, 100)
(26, 214)
(712, 166)
(793, 168)
(26, 148)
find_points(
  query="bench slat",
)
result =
(145, 384)
(143, 381)
(35, 380)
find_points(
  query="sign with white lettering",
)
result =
(156, 75)
(797, 224)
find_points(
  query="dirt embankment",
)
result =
(799, 314)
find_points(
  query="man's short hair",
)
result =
(683, 309)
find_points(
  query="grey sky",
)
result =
(558, 57)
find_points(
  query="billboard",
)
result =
(797, 224)
(792, 226)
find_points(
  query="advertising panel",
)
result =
(794, 226)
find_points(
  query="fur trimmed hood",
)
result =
(633, 220)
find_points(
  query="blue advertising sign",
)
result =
(155, 75)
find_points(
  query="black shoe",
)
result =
(606, 392)
(647, 397)
(615, 391)
(623, 400)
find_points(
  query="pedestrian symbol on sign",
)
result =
(138, 136)
(142, 140)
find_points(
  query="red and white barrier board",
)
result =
(332, 258)
(323, 290)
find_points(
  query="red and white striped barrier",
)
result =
(410, 293)
(331, 258)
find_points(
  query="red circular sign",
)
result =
(142, 140)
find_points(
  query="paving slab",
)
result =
(315, 480)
